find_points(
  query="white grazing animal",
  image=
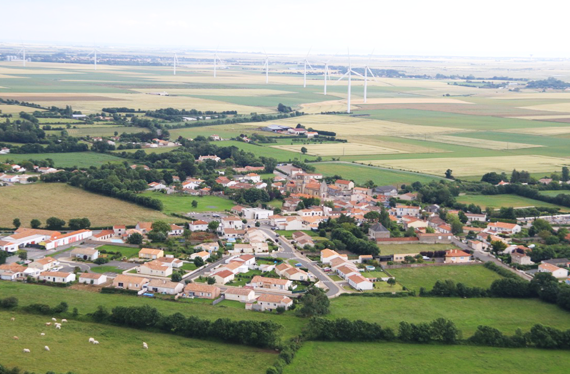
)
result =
(12, 319)
(95, 342)
(48, 323)
(145, 346)
(26, 350)
(53, 319)
(91, 340)
(64, 320)
(58, 327)
(15, 338)
(42, 334)
(46, 348)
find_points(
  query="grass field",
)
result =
(504, 314)
(555, 193)
(396, 358)
(360, 174)
(391, 249)
(337, 149)
(497, 201)
(469, 275)
(183, 203)
(266, 151)
(44, 200)
(66, 160)
(106, 269)
(125, 251)
(470, 142)
(119, 350)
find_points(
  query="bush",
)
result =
(9, 303)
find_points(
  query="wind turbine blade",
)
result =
(345, 74)
(308, 52)
(355, 73)
(371, 73)
(310, 65)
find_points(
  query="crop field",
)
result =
(120, 349)
(104, 130)
(470, 142)
(361, 174)
(149, 150)
(44, 200)
(333, 149)
(280, 153)
(469, 275)
(504, 314)
(466, 166)
(183, 203)
(15, 109)
(543, 131)
(65, 160)
(397, 358)
(392, 249)
(497, 201)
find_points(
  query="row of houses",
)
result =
(48, 239)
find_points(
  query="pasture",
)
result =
(338, 149)
(497, 201)
(120, 349)
(469, 275)
(183, 203)
(66, 160)
(277, 152)
(392, 249)
(398, 358)
(44, 200)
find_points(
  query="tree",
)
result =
(540, 224)
(3, 256)
(391, 282)
(23, 255)
(281, 108)
(449, 174)
(498, 246)
(176, 277)
(35, 223)
(462, 217)
(135, 238)
(211, 280)
(314, 303)
(213, 226)
(194, 204)
(565, 174)
(54, 223)
(303, 150)
(456, 225)
(16, 222)
(198, 261)
(161, 226)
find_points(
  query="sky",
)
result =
(499, 28)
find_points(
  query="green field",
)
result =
(397, 358)
(119, 350)
(504, 314)
(497, 201)
(360, 174)
(66, 160)
(469, 275)
(44, 200)
(392, 249)
(183, 203)
(125, 251)
(555, 193)
(265, 151)
(106, 269)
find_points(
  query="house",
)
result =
(358, 282)
(256, 213)
(302, 239)
(252, 177)
(44, 264)
(346, 271)
(9, 178)
(503, 228)
(476, 245)
(235, 267)
(151, 253)
(155, 268)
(176, 230)
(92, 278)
(456, 256)
(171, 261)
(208, 247)
(272, 302)
(56, 277)
(198, 225)
(365, 258)
(402, 256)
(140, 166)
(270, 283)
(25, 236)
(104, 235)
(408, 196)
(165, 287)
(471, 217)
(427, 238)
(244, 295)
(223, 277)
(209, 157)
(144, 227)
(378, 231)
(191, 183)
(156, 186)
(344, 185)
(215, 137)
(12, 271)
(327, 255)
(130, 282)
(407, 210)
(72, 237)
(553, 269)
(201, 291)
(385, 190)
(235, 223)
(87, 254)
(521, 258)
(560, 262)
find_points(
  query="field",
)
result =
(120, 350)
(476, 143)
(106, 269)
(469, 275)
(125, 251)
(396, 358)
(183, 203)
(334, 149)
(497, 201)
(361, 174)
(555, 193)
(466, 166)
(391, 249)
(66, 160)
(280, 154)
(42, 201)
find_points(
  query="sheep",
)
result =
(95, 342)
(48, 323)
(64, 320)
(15, 338)
(26, 350)
(46, 348)
(145, 346)
(57, 324)
(58, 327)
(42, 334)
(12, 319)
(53, 319)
(91, 340)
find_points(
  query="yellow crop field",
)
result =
(245, 92)
(545, 131)
(14, 109)
(340, 105)
(556, 107)
(543, 117)
(468, 166)
(379, 141)
(339, 149)
(470, 142)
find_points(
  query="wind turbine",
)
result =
(349, 73)
(94, 53)
(266, 66)
(23, 52)
(305, 70)
(366, 70)
(216, 60)
(174, 62)
(327, 75)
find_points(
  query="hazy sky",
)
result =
(437, 27)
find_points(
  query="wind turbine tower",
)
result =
(174, 62)
(327, 75)
(306, 63)
(23, 56)
(366, 71)
(217, 60)
(266, 66)
(94, 53)
(348, 74)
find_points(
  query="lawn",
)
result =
(128, 252)
(504, 314)
(106, 269)
(87, 302)
(361, 174)
(183, 203)
(392, 249)
(119, 350)
(555, 193)
(189, 266)
(469, 275)
(397, 358)
(289, 233)
(44, 200)
(497, 201)
(66, 160)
